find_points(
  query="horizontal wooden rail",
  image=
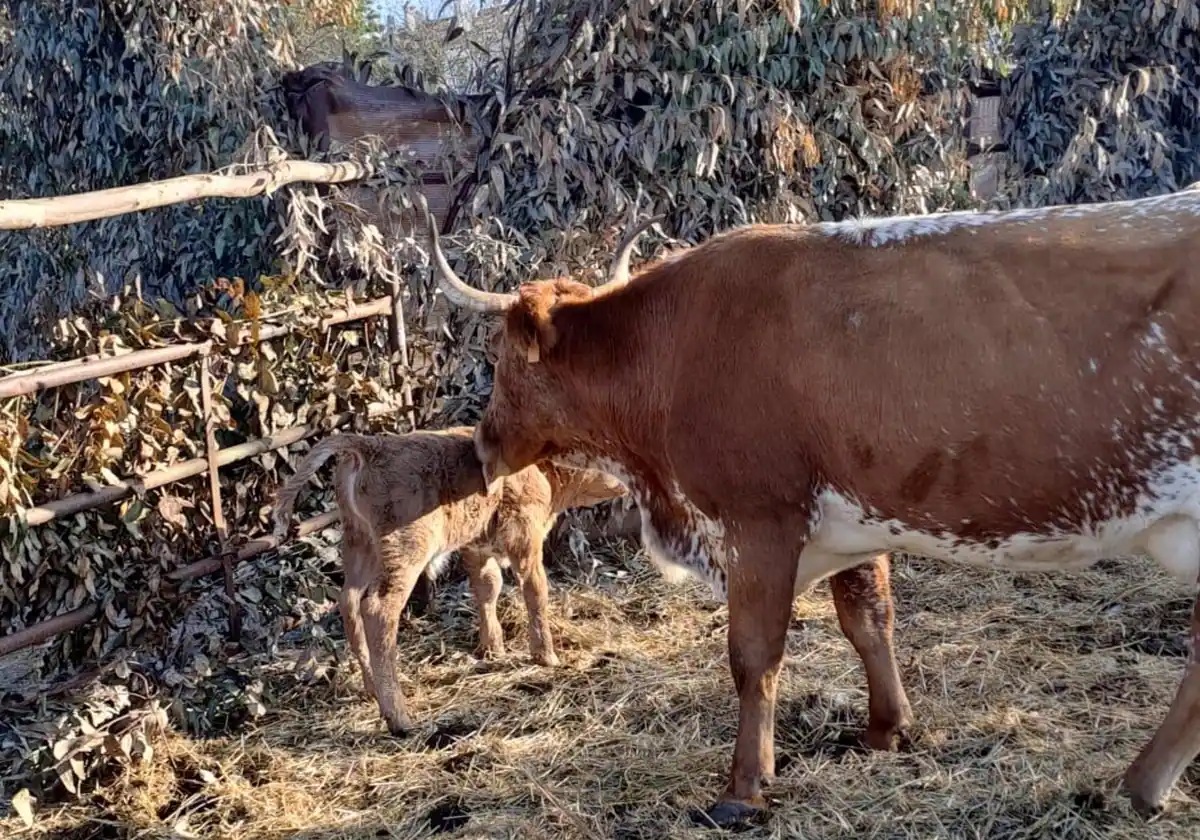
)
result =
(255, 547)
(48, 629)
(95, 366)
(38, 633)
(22, 214)
(59, 508)
(30, 382)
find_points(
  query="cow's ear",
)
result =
(530, 322)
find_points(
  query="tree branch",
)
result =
(102, 204)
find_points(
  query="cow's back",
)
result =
(973, 379)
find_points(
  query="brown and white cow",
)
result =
(1017, 390)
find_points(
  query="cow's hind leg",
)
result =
(486, 582)
(1161, 762)
(760, 609)
(863, 598)
(403, 561)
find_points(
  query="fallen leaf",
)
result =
(22, 804)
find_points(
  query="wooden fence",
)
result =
(84, 369)
(63, 210)
(329, 106)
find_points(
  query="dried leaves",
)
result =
(1101, 102)
(103, 95)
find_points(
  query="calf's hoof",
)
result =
(489, 652)
(730, 813)
(548, 659)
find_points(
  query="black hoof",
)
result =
(400, 728)
(729, 814)
(1145, 808)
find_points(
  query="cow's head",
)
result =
(525, 419)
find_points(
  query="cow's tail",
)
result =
(338, 445)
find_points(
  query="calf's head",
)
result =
(527, 417)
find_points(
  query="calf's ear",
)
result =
(530, 323)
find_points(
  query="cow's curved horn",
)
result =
(618, 270)
(455, 290)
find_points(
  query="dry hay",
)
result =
(1031, 694)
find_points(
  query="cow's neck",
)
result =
(615, 354)
(619, 418)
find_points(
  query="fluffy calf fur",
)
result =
(407, 502)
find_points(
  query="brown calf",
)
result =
(409, 501)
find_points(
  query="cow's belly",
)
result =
(1166, 527)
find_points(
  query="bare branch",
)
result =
(102, 204)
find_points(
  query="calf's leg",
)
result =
(486, 581)
(760, 608)
(360, 563)
(350, 605)
(526, 557)
(863, 598)
(382, 605)
(1162, 761)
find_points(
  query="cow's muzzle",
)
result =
(495, 470)
(494, 466)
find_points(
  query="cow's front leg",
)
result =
(1162, 761)
(760, 606)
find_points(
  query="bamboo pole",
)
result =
(24, 214)
(29, 382)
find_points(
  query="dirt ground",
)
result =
(1031, 694)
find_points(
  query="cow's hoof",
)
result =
(729, 814)
(400, 727)
(1145, 808)
(884, 739)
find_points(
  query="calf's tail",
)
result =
(338, 445)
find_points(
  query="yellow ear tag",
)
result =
(533, 354)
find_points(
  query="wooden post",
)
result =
(214, 487)
(398, 345)
(423, 590)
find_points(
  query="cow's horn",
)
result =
(618, 271)
(455, 290)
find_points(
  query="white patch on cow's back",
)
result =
(1164, 524)
(886, 230)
